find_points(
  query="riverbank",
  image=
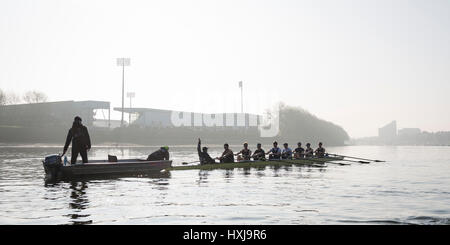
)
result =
(155, 136)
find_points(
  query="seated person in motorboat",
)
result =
(159, 155)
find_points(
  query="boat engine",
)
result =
(52, 165)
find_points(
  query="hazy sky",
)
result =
(359, 64)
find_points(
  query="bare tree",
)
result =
(34, 97)
(12, 98)
(2, 97)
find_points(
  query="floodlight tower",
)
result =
(123, 62)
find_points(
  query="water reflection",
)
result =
(260, 172)
(78, 202)
(275, 170)
(151, 175)
(228, 175)
(414, 185)
(246, 172)
(202, 177)
(161, 181)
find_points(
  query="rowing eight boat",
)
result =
(312, 162)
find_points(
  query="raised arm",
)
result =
(199, 145)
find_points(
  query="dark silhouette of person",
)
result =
(203, 154)
(159, 155)
(299, 151)
(275, 152)
(227, 155)
(259, 153)
(245, 154)
(320, 152)
(81, 142)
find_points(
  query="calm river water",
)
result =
(412, 187)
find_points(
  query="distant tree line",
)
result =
(297, 124)
(29, 97)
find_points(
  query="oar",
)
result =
(184, 163)
(331, 161)
(340, 163)
(315, 164)
(357, 158)
(318, 161)
(315, 160)
(354, 161)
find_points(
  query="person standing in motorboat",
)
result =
(81, 142)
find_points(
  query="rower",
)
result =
(159, 155)
(81, 142)
(320, 152)
(245, 154)
(259, 153)
(205, 158)
(309, 152)
(299, 152)
(287, 152)
(227, 155)
(275, 152)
